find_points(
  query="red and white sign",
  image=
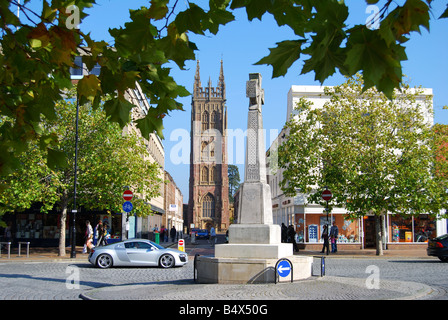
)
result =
(127, 195)
(327, 195)
(181, 245)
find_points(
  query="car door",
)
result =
(141, 253)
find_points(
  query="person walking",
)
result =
(325, 237)
(284, 233)
(96, 234)
(334, 231)
(292, 238)
(173, 234)
(101, 236)
(88, 245)
(212, 236)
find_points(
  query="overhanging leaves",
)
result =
(283, 56)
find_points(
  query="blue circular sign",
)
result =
(127, 206)
(284, 268)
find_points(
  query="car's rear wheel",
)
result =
(104, 261)
(166, 261)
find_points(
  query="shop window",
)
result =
(348, 230)
(424, 228)
(401, 229)
(412, 229)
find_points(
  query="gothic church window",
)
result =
(208, 206)
(204, 174)
(214, 120)
(205, 120)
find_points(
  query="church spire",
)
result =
(197, 79)
(221, 83)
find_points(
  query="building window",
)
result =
(205, 121)
(208, 206)
(213, 174)
(214, 120)
(204, 150)
(204, 174)
(77, 70)
(96, 70)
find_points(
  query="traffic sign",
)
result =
(284, 268)
(127, 195)
(327, 195)
(127, 206)
(181, 245)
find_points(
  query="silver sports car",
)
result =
(136, 252)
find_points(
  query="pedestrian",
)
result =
(173, 233)
(96, 234)
(162, 234)
(284, 233)
(88, 244)
(334, 231)
(105, 234)
(292, 238)
(101, 239)
(325, 237)
(212, 236)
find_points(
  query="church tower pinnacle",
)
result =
(209, 183)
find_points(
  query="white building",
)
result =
(308, 219)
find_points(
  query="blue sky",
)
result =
(241, 43)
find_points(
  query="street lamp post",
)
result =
(74, 210)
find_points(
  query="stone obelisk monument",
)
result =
(255, 225)
(254, 242)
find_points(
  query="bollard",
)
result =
(194, 267)
(322, 266)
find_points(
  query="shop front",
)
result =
(43, 229)
(309, 228)
(400, 232)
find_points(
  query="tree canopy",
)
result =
(376, 155)
(109, 162)
(38, 50)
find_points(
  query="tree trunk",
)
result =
(379, 235)
(63, 220)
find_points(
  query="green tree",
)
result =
(376, 155)
(46, 42)
(441, 150)
(234, 180)
(108, 161)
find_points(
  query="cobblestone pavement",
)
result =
(347, 278)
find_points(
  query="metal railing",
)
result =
(8, 244)
(27, 248)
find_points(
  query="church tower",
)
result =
(208, 203)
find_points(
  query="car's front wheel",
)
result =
(166, 261)
(104, 261)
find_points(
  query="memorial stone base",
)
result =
(248, 270)
(250, 260)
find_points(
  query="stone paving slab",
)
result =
(315, 288)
